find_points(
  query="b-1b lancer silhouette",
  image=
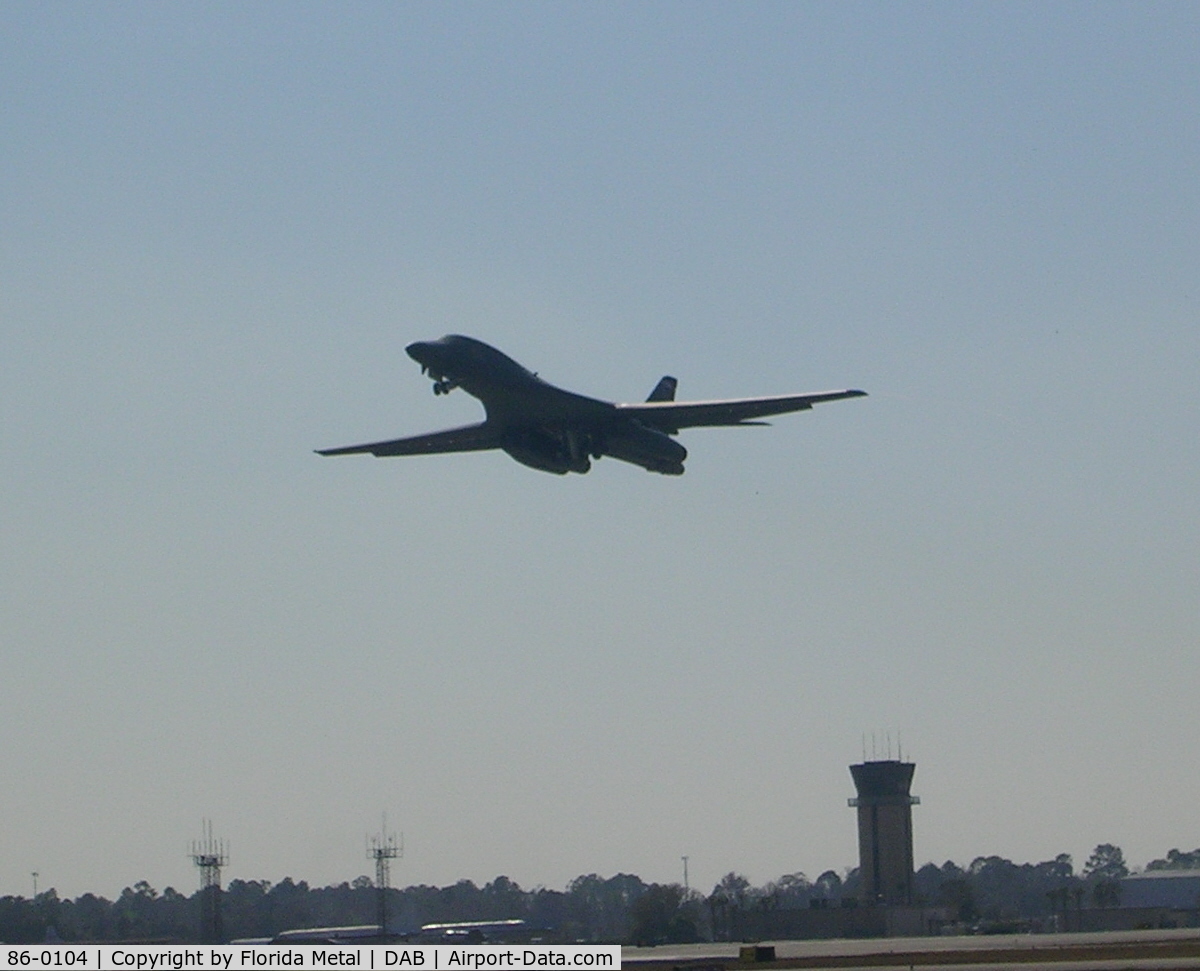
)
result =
(559, 431)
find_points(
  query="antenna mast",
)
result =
(210, 855)
(383, 849)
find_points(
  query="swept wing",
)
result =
(670, 416)
(468, 438)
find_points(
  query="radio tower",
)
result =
(383, 849)
(209, 855)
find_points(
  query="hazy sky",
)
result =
(221, 223)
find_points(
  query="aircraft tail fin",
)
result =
(664, 390)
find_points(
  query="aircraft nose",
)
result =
(425, 353)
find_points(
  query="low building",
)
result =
(1177, 889)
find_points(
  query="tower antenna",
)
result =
(383, 849)
(210, 855)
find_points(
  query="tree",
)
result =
(20, 922)
(1059, 898)
(136, 911)
(789, 892)
(733, 887)
(828, 886)
(600, 908)
(1177, 860)
(662, 916)
(956, 894)
(726, 901)
(1106, 862)
(503, 899)
(1060, 868)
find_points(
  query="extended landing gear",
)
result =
(444, 386)
(578, 447)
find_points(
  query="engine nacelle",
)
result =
(652, 450)
(547, 452)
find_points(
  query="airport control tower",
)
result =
(885, 843)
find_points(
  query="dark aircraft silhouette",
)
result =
(558, 431)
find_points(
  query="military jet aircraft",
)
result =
(559, 431)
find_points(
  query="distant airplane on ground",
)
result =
(558, 431)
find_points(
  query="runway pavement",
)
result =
(1110, 951)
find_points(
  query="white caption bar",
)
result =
(372, 957)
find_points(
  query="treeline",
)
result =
(592, 908)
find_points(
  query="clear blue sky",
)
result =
(220, 225)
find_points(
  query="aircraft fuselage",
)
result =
(567, 430)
